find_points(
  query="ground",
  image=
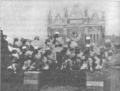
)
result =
(15, 84)
(20, 87)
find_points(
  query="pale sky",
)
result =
(29, 18)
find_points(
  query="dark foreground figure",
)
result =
(63, 78)
(49, 80)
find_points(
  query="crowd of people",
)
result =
(54, 54)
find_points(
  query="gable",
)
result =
(76, 13)
(95, 18)
(49, 18)
(58, 20)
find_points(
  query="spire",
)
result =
(103, 17)
(95, 18)
(66, 12)
(86, 12)
(49, 18)
(87, 19)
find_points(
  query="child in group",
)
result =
(36, 58)
(27, 63)
(48, 62)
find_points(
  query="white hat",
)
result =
(48, 48)
(87, 37)
(24, 47)
(36, 47)
(108, 40)
(88, 45)
(57, 33)
(15, 55)
(67, 40)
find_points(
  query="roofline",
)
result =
(69, 25)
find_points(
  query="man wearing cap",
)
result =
(48, 44)
(57, 39)
(68, 41)
(17, 43)
(47, 60)
(86, 56)
(15, 61)
(36, 57)
(23, 56)
(109, 47)
(73, 44)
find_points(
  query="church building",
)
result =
(77, 25)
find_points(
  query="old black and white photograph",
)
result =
(60, 45)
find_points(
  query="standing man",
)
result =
(37, 42)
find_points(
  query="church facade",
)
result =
(77, 25)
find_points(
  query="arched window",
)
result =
(94, 38)
(91, 37)
(97, 37)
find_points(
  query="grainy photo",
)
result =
(60, 45)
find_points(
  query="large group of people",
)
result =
(55, 54)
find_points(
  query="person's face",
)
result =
(48, 43)
(88, 48)
(56, 35)
(36, 51)
(37, 38)
(50, 56)
(56, 43)
(24, 51)
(72, 54)
(5, 36)
(68, 43)
(16, 40)
(14, 58)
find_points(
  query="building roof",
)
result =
(58, 20)
(94, 19)
(76, 13)
(89, 17)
